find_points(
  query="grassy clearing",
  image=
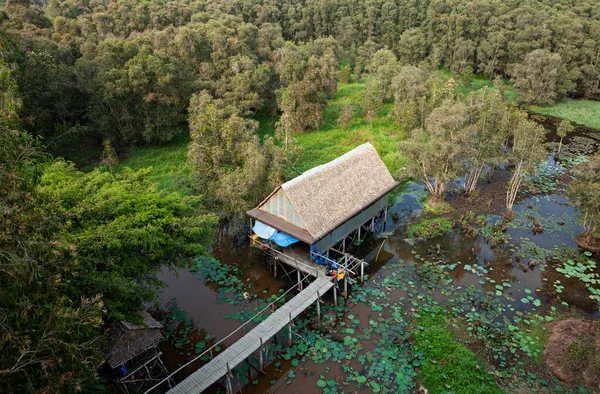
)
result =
(168, 163)
(449, 365)
(584, 112)
(319, 146)
(331, 141)
(480, 81)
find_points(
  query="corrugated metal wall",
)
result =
(346, 228)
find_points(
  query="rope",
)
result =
(227, 337)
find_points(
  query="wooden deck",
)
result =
(239, 351)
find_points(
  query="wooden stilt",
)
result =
(318, 307)
(290, 332)
(373, 224)
(346, 286)
(275, 263)
(362, 272)
(384, 219)
(359, 233)
(344, 245)
(229, 385)
(260, 356)
(335, 293)
(299, 281)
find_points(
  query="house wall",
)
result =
(280, 205)
(352, 224)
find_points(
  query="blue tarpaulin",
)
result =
(264, 231)
(284, 240)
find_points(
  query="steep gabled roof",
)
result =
(330, 194)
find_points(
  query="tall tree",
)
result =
(230, 167)
(538, 77)
(584, 192)
(528, 151)
(436, 150)
(564, 128)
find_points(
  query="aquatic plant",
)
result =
(430, 228)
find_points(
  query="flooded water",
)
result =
(516, 264)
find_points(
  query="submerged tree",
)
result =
(584, 192)
(435, 151)
(564, 128)
(528, 151)
(487, 136)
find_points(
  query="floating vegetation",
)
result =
(584, 269)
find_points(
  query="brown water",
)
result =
(557, 215)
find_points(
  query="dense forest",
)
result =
(82, 82)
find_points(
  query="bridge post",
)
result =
(385, 218)
(290, 332)
(261, 363)
(346, 285)
(362, 272)
(318, 307)
(228, 380)
(335, 292)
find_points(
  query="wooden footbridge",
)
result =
(223, 363)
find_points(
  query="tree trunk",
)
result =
(513, 188)
(472, 178)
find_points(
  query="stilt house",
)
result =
(321, 210)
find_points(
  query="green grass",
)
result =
(331, 141)
(584, 112)
(480, 81)
(319, 146)
(430, 228)
(168, 163)
(449, 365)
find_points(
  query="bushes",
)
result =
(430, 228)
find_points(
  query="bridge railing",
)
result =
(220, 342)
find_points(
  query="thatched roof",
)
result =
(330, 194)
(127, 340)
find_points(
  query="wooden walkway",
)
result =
(243, 348)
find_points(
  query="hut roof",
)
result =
(330, 194)
(127, 340)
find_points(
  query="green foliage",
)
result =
(123, 229)
(229, 165)
(449, 365)
(542, 77)
(166, 165)
(584, 192)
(308, 75)
(430, 228)
(50, 341)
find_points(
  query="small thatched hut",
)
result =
(323, 205)
(126, 341)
